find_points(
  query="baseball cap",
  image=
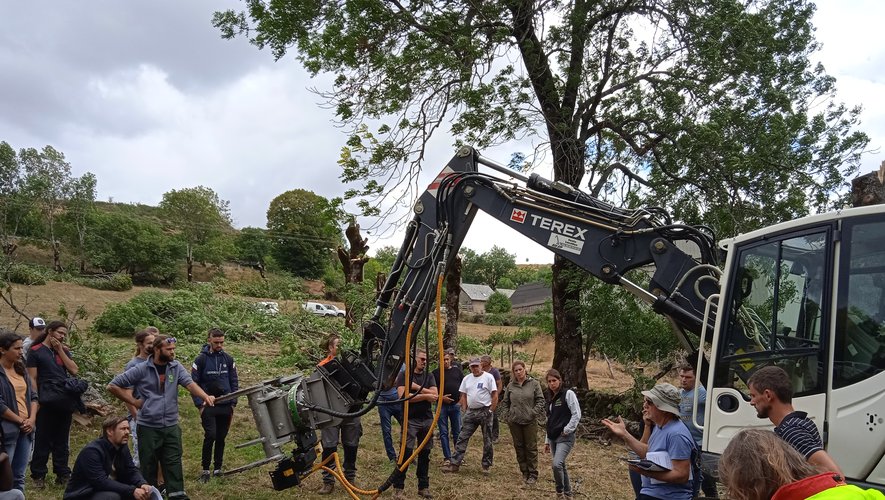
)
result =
(36, 322)
(475, 361)
(665, 397)
(450, 350)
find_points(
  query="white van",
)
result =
(318, 309)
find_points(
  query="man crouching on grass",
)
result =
(104, 469)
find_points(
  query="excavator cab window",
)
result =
(860, 317)
(776, 314)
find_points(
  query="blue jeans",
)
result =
(560, 448)
(19, 451)
(385, 412)
(449, 415)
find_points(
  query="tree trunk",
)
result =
(190, 269)
(56, 256)
(568, 348)
(453, 311)
(260, 267)
(353, 261)
(568, 352)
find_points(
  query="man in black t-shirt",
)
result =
(421, 392)
(49, 362)
(450, 413)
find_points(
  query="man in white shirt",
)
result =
(479, 399)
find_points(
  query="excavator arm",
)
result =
(600, 238)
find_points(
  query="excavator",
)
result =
(807, 295)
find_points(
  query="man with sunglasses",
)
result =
(156, 381)
(670, 444)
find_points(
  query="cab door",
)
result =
(774, 312)
(857, 405)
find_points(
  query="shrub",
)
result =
(118, 282)
(124, 318)
(25, 274)
(276, 286)
(498, 303)
(189, 313)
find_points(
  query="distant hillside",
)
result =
(147, 212)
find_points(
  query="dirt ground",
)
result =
(539, 354)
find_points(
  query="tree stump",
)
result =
(868, 189)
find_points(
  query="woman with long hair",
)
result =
(563, 415)
(49, 362)
(758, 465)
(18, 407)
(523, 402)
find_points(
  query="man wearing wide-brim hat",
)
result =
(668, 441)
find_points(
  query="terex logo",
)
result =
(518, 215)
(558, 227)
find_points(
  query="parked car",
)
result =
(334, 308)
(318, 309)
(269, 308)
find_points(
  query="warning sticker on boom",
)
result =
(561, 242)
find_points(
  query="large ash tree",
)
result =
(713, 104)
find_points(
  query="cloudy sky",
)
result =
(149, 98)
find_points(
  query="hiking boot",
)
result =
(424, 493)
(39, 483)
(531, 481)
(217, 473)
(451, 468)
(204, 477)
(446, 461)
(399, 494)
(486, 470)
(62, 480)
(327, 489)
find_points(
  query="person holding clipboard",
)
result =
(670, 451)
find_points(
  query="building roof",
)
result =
(507, 292)
(531, 294)
(477, 292)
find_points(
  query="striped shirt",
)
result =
(801, 433)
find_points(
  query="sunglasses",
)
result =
(170, 340)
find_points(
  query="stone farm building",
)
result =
(530, 297)
(473, 298)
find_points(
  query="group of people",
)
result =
(37, 405)
(785, 464)
(467, 403)
(789, 463)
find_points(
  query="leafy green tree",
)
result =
(304, 229)
(122, 242)
(615, 324)
(487, 268)
(496, 263)
(15, 205)
(254, 247)
(712, 106)
(498, 303)
(471, 266)
(200, 218)
(78, 212)
(47, 178)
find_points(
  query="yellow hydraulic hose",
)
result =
(442, 378)
(350, 488)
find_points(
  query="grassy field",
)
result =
(594, 468)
